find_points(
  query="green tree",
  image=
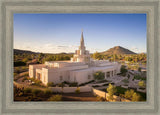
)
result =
(129, 93)
(111, 90)
(98, 75)
(135, 97)
(141, 84)
(123, 69)
(139, 69)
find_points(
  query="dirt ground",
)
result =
(86, 96)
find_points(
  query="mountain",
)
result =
(118, 50)
(17, 51)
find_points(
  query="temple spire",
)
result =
(82, 39)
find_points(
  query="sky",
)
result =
(56, 33)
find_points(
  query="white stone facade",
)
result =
(79, 69)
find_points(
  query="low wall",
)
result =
(105, 96)
(70, 89)
(19, 85)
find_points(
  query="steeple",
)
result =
(82, 40)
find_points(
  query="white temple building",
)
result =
(79, 69)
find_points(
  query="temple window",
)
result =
(108, 74)
(89, 76)
(61, 78)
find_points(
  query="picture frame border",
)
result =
(9, 7)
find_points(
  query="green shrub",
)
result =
(141, 84)
(123, 69)
(99, 75)
(50, 84)
(19, 63)
(15, 74)
(77, 90)
(61, 85)
(26, 74)
(105, 84)
(95, 86)
(36, 92)
(86, 83)
(74, 84)
(47, 92)
(25, 78)
(27, 90)
(55, 98)
(120, 90)
(125, 81)
(139, 77)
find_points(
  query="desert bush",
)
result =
(55, 98)
(77, 90)
(27, 90)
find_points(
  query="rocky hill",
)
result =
(117, 50)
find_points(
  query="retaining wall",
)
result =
(70, 89)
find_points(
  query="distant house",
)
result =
(79, 69)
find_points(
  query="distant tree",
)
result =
(97, 56)
(19, 63)
(25, 60)
(111, 90)
(98, 75)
